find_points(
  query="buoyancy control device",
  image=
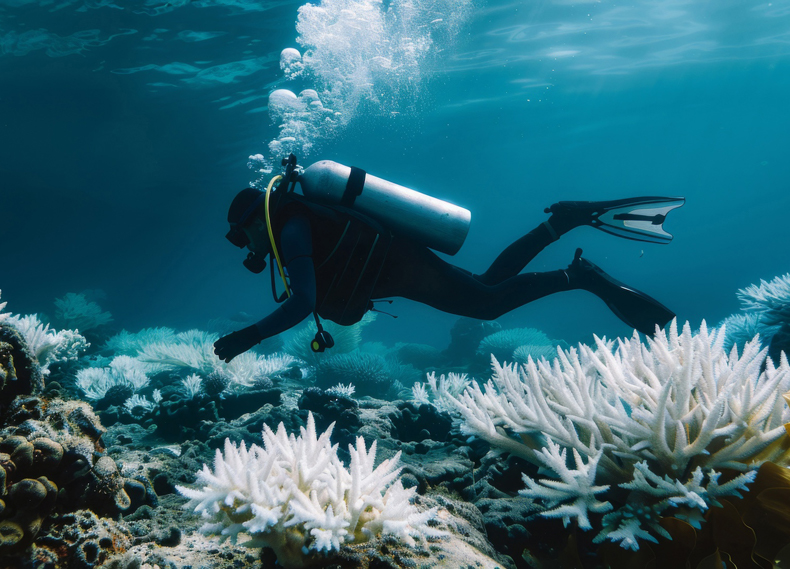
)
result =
(435, 223)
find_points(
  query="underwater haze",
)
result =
(128, 127)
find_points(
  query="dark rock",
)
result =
(415, 423)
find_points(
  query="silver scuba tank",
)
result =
(435, 223)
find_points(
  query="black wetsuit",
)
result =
(411, 271)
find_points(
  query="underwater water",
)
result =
(127, 127)
(127, 130)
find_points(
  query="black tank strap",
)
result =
(356, 181)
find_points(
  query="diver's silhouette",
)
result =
(336, 261)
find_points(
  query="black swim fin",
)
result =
(640, 219)
(630, 305)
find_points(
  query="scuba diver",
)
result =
(351, 239)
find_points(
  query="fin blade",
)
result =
(639, 219)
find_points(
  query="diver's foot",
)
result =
(568, 215)
(630, 305)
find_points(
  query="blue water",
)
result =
(126, 130)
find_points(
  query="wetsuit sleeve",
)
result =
(297, 251)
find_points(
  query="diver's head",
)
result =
(247, 221)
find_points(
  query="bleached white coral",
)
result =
(770, 299)
(576, 485)
(49, 346)
(193, 385)
(249, 369)
(3, 315)
(665, 401)
(76, 311)
(341, 390)
(130, 344)
(692, 493)
(294, 495)
(123, 370)
(680, 403)
(138, 405)
(193, 350)
(443, 390)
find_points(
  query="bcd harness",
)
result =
(353, 265)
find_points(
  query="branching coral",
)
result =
(295, 496)
(576, 485)
(679, 404)
(441, 392)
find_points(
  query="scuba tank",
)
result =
(435, 223)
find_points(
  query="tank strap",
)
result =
(356, 181)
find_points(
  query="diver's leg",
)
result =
(418, 274)
(630, 305)
(517, 255)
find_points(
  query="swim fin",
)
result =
(640, 219)
(632, 306)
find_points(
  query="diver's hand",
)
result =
(235, 343)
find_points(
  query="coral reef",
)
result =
(49, 346)
(371, 374)
(19, 370)
(766, 313)
(293, 495)
(347, 339)
(679, 407)
(770, 300)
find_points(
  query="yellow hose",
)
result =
(271, 235)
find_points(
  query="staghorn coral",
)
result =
(441, 392)
(296, 497)
(577, 485)
(680, 405)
